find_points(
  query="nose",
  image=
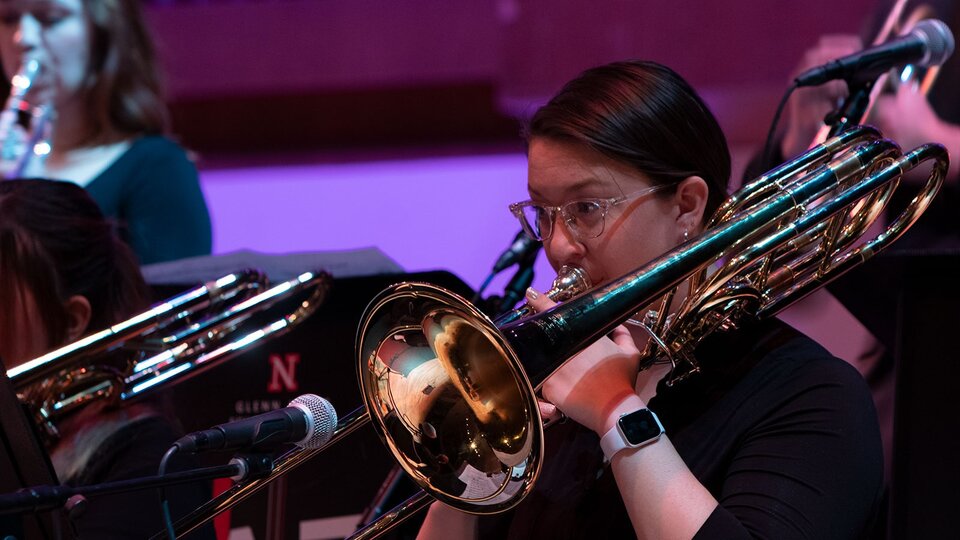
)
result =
(563, 247)
(27, 35)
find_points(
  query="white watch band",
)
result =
(615, 440)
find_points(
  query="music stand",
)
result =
(23, 463)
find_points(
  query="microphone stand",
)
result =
(42, 498)
(853, 109)
(516, 288)
(379, 503)
(518, 284)
(523, 250)
(495, 306)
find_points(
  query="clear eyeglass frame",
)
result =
(586, 218)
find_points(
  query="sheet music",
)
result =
(348, 263)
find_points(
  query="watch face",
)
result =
(640, 426)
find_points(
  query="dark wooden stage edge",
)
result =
(417, 115)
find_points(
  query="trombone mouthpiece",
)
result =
(570, 281)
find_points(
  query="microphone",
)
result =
(308, 422)
(523, 249)
(930, 43)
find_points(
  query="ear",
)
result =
(691, 200)
(78, 314)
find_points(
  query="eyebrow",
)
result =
(34, 6)
(576, 186)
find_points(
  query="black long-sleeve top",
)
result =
(133, 452)
(782, 434)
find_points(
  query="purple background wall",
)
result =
(327, 124)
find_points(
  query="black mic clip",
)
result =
(852, 110)
(252, 466)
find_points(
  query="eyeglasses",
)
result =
(586, 218)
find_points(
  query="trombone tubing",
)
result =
(189, 358)
(173, 308)
(895, 230)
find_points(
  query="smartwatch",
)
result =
(633, 430)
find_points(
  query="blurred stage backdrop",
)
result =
(332, 124)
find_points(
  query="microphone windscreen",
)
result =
(939, 39)
(323, 417)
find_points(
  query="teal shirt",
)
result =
(153, 193)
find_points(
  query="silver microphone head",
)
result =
(322, 420)
(939, 41)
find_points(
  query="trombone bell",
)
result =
(449, 397)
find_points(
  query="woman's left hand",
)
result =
(907, 118)
(590, 386)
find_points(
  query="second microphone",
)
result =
(308, 422)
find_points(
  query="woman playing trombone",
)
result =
(773, 438)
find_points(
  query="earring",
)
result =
(686, 235)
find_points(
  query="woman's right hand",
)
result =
(808, 106)
(594, 383)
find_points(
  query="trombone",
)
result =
(175, 339)
(451, 393)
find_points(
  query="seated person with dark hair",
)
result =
(63, 274)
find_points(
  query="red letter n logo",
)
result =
(283, 373)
